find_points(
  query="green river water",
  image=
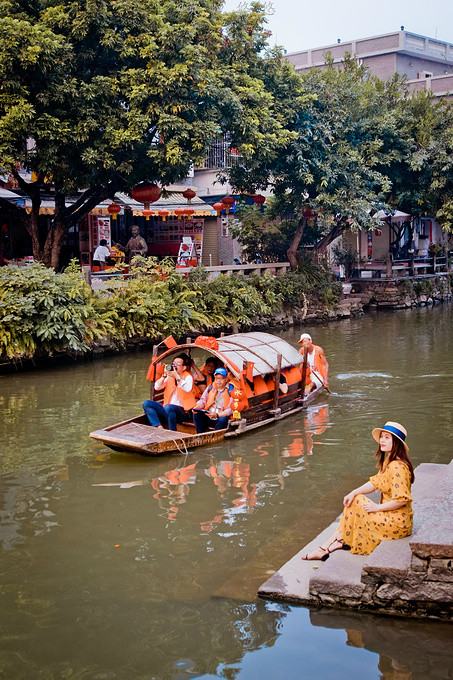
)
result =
(124, 567)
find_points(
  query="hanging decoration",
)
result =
(189, 194)
(147, 214)
(228, 202)
(218, 207)
(113, 210)
(146, 193)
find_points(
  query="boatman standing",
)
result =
(317, 362)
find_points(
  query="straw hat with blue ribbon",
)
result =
(395, 429)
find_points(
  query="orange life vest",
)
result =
(259, 385)
(212, 395)
(187, 399)
(292, 375)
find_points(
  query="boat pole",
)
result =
(277, 382)
(151, 388)
(321, 381)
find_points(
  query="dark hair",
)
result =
(398, 452)
(213, 360)
(185, 357)
(102, 242)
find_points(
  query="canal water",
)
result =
(118, 566)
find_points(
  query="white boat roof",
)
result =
(260, 348)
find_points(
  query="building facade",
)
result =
(426, 62)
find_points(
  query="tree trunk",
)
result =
(292, 250)
(326, 240)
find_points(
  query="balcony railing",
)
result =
(220, 155)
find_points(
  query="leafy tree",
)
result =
(346, 133)
(422, 181)
(97, 96)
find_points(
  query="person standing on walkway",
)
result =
(364, 523)
(177, 383)
(317, 362)
(101, 254)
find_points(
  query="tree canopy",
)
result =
(359, 144)
(96, 96)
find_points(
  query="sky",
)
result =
(301, 24)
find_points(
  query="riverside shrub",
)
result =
(42, 312)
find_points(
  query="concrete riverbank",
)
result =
(412, 576)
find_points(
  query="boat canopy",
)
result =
(262, 349)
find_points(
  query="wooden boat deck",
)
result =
(137, 435)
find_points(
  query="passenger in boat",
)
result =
(177, 383)
(214, 407)
(317, 363)
(292, 375)
(270, 382)
(205, 376)
(364, 523)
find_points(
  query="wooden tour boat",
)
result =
(250, 357)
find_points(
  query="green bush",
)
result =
(44, 312)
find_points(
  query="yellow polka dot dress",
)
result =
(363, 530)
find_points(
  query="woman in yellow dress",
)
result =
(364, 523)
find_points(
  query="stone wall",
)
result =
(405, 292)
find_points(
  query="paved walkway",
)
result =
(411, 576)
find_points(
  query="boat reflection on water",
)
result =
(316, 421)
(237, 480)
(409, 649)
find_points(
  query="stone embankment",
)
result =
(411, 576)
(404, 292)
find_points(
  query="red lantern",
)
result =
(228, 201)
(179, 212)
(189, 194)
(218, 207)
(146, 192)
(163, 214)
(147, 213)
(113, 210)
(259, 199)
(189, 212)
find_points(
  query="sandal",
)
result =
(313, 559)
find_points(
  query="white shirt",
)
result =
(101, 253)
(186, 384)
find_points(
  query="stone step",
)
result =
(394, 578)
(432, 536)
